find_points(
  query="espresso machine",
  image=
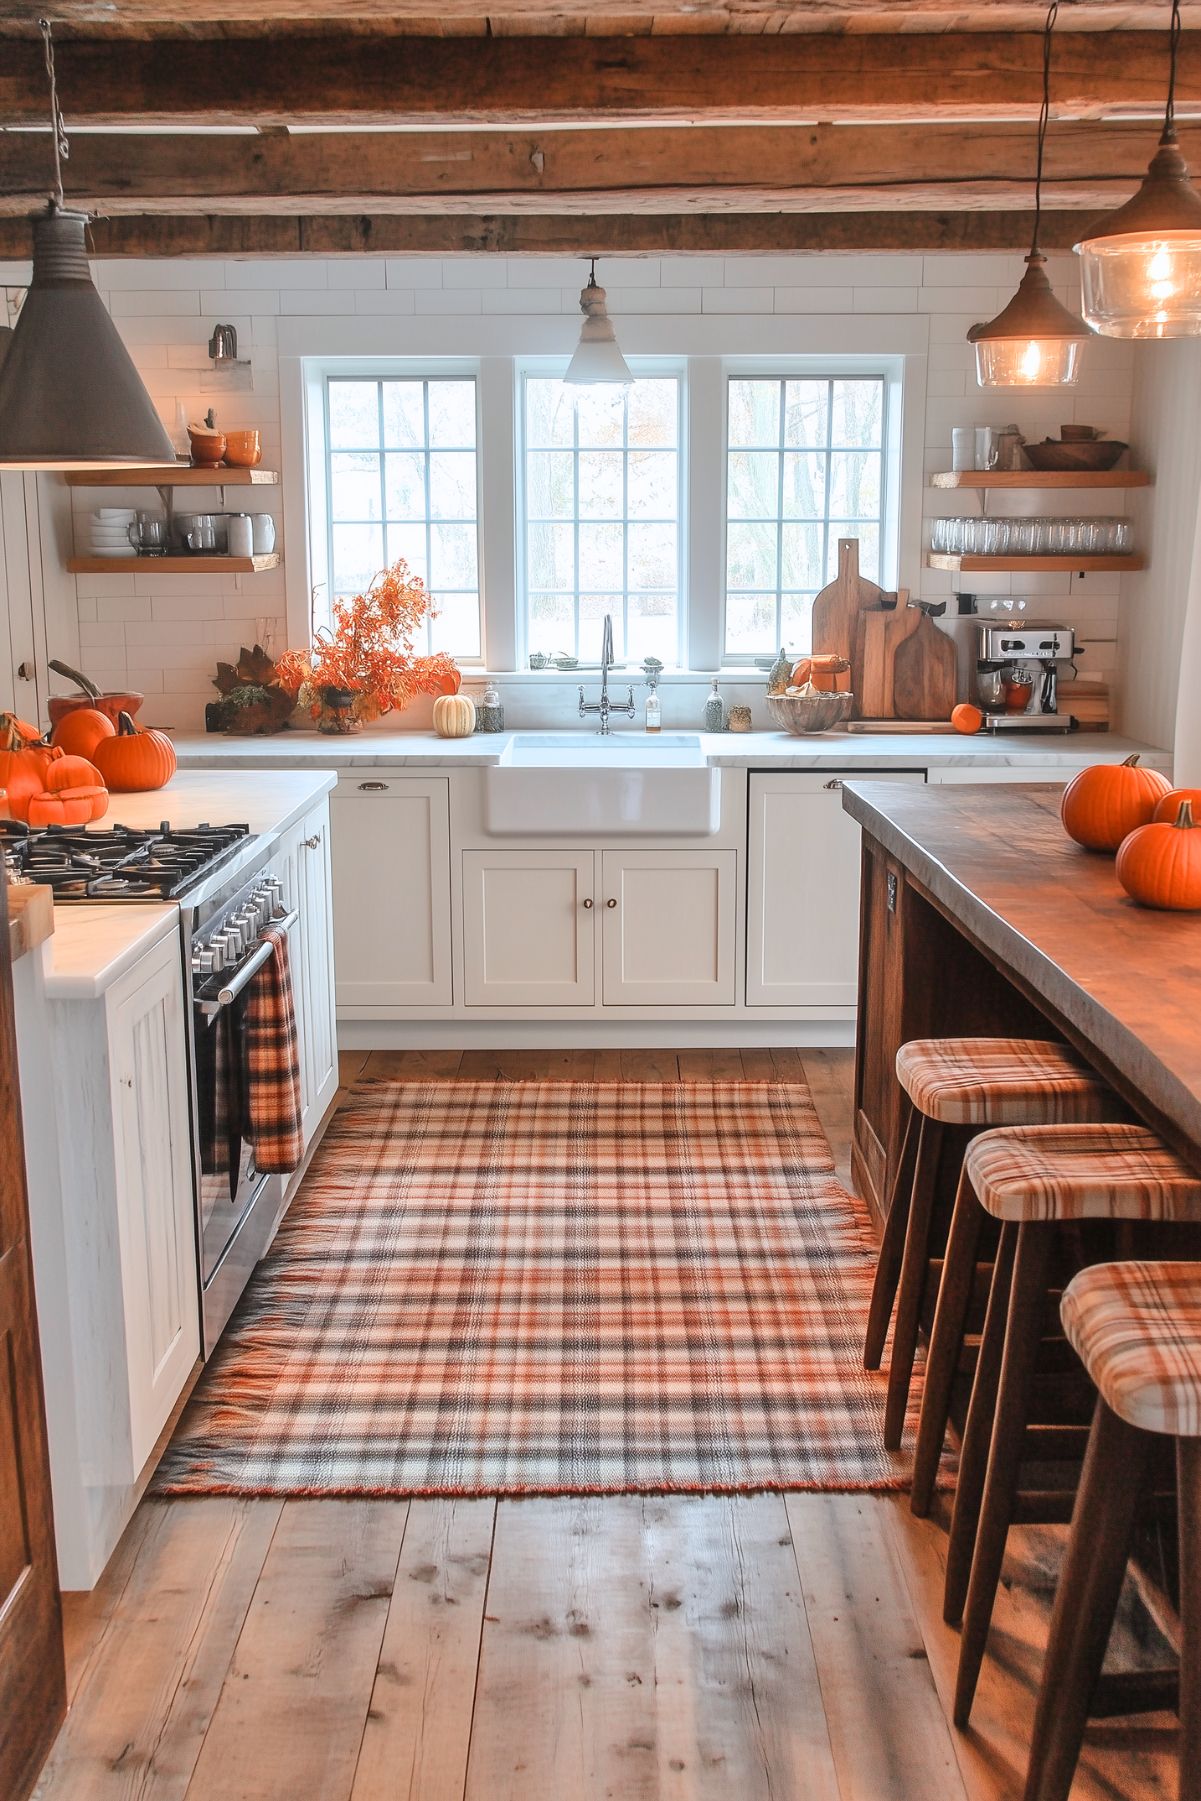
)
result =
(1017, 675)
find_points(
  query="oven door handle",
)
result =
(261, 955)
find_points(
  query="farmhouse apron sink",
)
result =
(635, 784)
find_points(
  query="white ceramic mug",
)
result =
(263, 527)
(963, 447)
(241, 535)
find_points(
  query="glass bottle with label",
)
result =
(491, 712)
(715, 711)
(653, 712)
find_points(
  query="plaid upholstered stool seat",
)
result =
(1034, 1180)
(952, 1085)
(1137, 1329)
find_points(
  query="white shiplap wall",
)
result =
(164, 634)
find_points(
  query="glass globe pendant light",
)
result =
(597, 357)
(1035, 341)
(70, 396)
(1140, 266)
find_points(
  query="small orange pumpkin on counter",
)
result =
(136, 759)
(78, 733)
(1159, 865)
(1102, 805)
(1169, 807)
(72, 793)
(966, 718)
(22, 761)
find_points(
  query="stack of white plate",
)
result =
(109, 529)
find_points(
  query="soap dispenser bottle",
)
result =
(491, 712)
(653, 711)
(715, 711)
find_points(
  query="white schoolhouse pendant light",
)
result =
(597, 357)
(70, 397)
(1035, 342)
(1140, 266)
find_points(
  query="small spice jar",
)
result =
(490, 714)
(739, 719)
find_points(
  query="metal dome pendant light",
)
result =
(70, 397)
(597, 357)
(1140, 267)
(1035, 342)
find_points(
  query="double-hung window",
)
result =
(601, 526)
(403, 482)
(804, 467)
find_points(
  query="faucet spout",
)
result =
(604, 707)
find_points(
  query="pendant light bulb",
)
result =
(597, 357)
(70, 397)
(1035, 341)
(1140, 266)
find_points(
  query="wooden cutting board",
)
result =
(881, 631)
(924, 672)
(837, 608)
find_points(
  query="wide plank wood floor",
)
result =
(629, 1648)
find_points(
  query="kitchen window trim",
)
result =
(492, 347)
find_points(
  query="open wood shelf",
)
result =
(1041, 565)
(198, 565)
(166, 475)
(1041, 478)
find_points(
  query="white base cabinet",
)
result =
(529, 932)
(668, 927)
(391, 879)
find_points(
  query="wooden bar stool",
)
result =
(1035, 1180)
(956, 1083)
(1137, 1329)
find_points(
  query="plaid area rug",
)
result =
(541, 1288)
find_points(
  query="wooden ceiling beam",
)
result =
(790, 78)
(664, 169)
(542, 234)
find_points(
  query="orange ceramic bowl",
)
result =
(243, 449)
(111, 704)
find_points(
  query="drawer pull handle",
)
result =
(588, 903)
(373, 787)
(610, 903)
(833, 782)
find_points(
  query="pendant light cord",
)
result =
(1043, 118)
(1169, 116)
(58, 131)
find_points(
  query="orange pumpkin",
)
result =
(22, 765)
(966, 718)
(1101, 806)
(136, 759)
(1169, 807)
(1159, 865)
(78, 733)
(73, 793)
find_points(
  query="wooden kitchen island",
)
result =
(981, 917)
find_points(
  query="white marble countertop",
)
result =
(92, 946)
(752, 750)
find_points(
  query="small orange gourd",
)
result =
(72, 794)
(1169, 807)
(136, 759)
(79, 732)
(966, 718)
(1159, 865)
(454, 716)
(1101, 806)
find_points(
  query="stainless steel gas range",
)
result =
(221, 879)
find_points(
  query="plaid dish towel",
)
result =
(271, 1063)
(219, 1087)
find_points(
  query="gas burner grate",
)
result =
(118, 863)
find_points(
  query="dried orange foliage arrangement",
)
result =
(367, 658)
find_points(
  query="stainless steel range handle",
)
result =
(261, 954)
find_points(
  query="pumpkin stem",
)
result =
(125, 726)
(75, 675)
(1129, 762)
(1184, 815)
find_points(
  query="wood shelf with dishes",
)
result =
(199, 564)
(1069, 563)
(1041, 478)
(184, 475)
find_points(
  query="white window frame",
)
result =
(543, 367)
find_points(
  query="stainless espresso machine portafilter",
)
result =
(1017, 676)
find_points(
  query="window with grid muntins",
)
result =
(804, 467)
(403, 482)
(602, 518)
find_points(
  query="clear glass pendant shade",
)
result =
(1035, 342)
(1140, 269)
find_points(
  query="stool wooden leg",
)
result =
(977, 1434)
(892, 1245)
(1086, 1600)
(1188, 1479)
(946, 1341)
(914, 1266)
(1026, 1308)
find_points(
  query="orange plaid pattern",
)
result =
(1081, 1172)
(1136, 1327)
(999, 1082)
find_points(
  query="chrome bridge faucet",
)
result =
(604, 706)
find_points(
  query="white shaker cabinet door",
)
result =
(669, 923)
(529, 928)
(803, 889)
(313, 974)
(391, 869)
(155, 1208)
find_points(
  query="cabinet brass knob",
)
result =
(588, 902)
(610, 903)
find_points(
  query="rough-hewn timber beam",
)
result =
(647, 234)
(511, 80)
(662, 169)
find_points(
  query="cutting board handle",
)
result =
(848, 559)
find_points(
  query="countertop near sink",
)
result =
(752, 750)
(92, 945)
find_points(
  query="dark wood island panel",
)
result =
(981, 916)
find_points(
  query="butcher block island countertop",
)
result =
(1122, 982)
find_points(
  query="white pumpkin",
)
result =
(454, 716)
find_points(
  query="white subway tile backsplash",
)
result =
(412, 272)
(738, 300)
(356, 272)
(380, 301)
(527, 302)
(443, 301)
(812, 299)
(140, 303)
(278, 273)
